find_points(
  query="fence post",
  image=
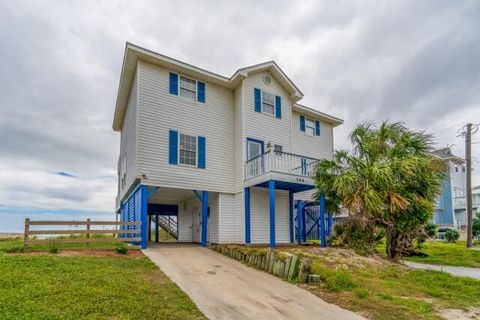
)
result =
(88, 233)
(25, 234)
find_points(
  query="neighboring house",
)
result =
(451, 204)
(226, 156)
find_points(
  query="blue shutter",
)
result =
(258, 100)
(174, 83)
(302, 123)
(317, 127)
(278, 107)
(173, 147)
(201, 91)
(201, 152)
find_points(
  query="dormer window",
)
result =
(188, 88)
(268, 103)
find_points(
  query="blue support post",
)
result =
(271, 196)
(247, 214)
(300, 221)
(144, 216)
(323, 239)
(204, 217)
(290, 214)
(304, 224)
(156, 227)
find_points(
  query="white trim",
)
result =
(196, 88)
(196, 151)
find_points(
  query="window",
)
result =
(268, 103)
(188, 149)
(277, 148)
(188, 88)
(309, 127)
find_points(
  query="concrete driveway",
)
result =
(224, 288)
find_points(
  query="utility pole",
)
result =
(468, 158)
(467, 132)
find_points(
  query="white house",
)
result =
(226, 156)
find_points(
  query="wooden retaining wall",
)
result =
(288, 267)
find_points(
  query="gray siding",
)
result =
(260, 216)
(160, 112)
(263, 126)
(128, 141)
(319, 147)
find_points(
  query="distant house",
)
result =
(451, 204)
(225, 156)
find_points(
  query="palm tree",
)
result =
(390, 179)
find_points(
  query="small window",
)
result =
(268, 103)
(188, 150)
(188, 88)
(309, 127)
(277, 148)
(456, 168)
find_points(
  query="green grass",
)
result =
(379, 289)
(452, 254)
(390, 291)
(49, 286)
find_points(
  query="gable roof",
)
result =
(446, 154)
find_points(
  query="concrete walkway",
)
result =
(456, 271)
(224, 288)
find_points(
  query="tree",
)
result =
(476, 227)
(390, 179)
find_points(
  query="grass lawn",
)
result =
(379, 289)
(452, 254)
(87, 285)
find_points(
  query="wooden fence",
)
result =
(130, 235)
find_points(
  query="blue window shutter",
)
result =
(202, 152)
(278, 107)
(258, 100)
(201, 91)
(173, 147)
(317, 127)
(174, 83)
(302, 123)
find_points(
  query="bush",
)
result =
(431, 230)
(359, 234)
(122, 249)
(53, 249)
(452, 235)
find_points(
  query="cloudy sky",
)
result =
(411, 61)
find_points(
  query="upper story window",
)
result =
(187, 150)
(188, 88)
(268, 103)
(277, 148)
(309, 127)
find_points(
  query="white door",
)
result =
(254, 149)
(196, 224)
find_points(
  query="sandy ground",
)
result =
(224, 288)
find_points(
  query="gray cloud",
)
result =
(409, 61)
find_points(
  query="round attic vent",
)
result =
(267, 80)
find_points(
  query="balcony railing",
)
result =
(281, 162)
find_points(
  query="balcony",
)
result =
(280, 166)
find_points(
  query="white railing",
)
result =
(281, 162)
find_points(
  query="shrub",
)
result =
(452, 235)
(359, 234)
(53, 249)
(431, 230)
(122, 249)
